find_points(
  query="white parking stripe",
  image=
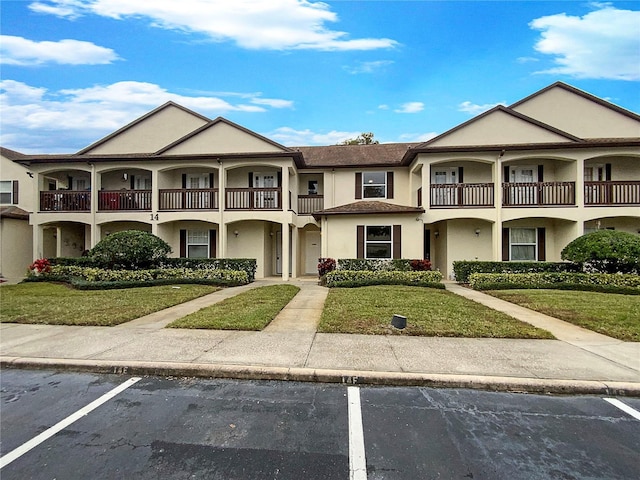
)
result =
(624, 407)
(357, 459)
(50, 432)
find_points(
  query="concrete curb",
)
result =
(347, 377)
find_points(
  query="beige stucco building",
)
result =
(515, 183)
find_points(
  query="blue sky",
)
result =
(300, 72)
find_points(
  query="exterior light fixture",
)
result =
(477, 232)
(235, 232)
(436, 233)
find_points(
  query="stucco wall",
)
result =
(16, 248)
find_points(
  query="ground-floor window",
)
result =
(197, 244)
(523, 244)
(378, 242)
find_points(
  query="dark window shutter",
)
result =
(607, 172)
(505, 174)
(183, 243)
(70, 184)
(420, 197)
(541, 173)
(389, 184)
(15, 192)
(211, 180)
(360, 242)
(541, 245)
(460, 175)
(250, 179)
(397, 241)
(184, 180)
(358, 185)
(133, 182)
(505, 244)
(212, 244)
(279, 179)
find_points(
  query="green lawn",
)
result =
(615, 315)
(251, 310)
(429, 312)
(56, 304)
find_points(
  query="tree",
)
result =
(365, 138)
(130, 250)
(605, 251)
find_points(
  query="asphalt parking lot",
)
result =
(179, 428)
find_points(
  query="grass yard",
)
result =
(57, 304)
(429, 312)
(251, 310)
(611, 314)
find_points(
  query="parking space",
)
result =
(229, 429)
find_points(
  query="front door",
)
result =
(527, 193)
(265, 198)
(312, 252)
(444, 193)
(198, 199)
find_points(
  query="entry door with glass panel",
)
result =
(198, 199)
(523, 194)
(592, 193)
(265, 199)
(444, 196)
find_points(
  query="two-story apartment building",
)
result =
(514, 183)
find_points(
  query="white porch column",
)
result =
(580, 183)
(95, 188)
(59, 242)
(497, 204)
(155, 192)
(285, 189)
(286, 251)
(38, 248)
(324, 237)
(222, 227)
(294, 252)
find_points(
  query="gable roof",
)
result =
(14, 212)
(11, 154)
(218, 121)
(581, 93)
(140, 120)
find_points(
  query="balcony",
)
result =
(253, 198)
(542, 194)
(65, 201)
(189, 199)
(458, 195)
(129, 200)
(612, 193)
(307, 204)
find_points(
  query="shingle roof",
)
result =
(14, 212)
(10, 154)
(340, 156)
(367, 207)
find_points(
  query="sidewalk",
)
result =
(579, 361)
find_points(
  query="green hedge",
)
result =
(600, 282)
(248, 265)
(361, 278)
(166, 275)
(464, 268)
(374, 265)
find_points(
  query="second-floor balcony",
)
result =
(253, 198)
(65, 201)
(449, 195)
(189, 199)
(307, 204)
(538, 194)
(612, 193)
(129, 200)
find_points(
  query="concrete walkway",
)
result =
(289, 348)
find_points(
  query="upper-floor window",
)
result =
(8, 192)
(374, 185)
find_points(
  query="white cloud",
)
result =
(252, 24)
(368, 67)
(22, 51)
(475, 109)
(292, 137)
(602, 44)
(273, 102)
(410, 107)
(36, 120)
(417, 137)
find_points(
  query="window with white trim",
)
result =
(197, 244)
(374, 185)
(523, 244)
(378, 242)
(6, 192)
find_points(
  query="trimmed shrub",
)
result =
(361, 278)
(325, 265)
(605, 251)
(464, 268)
(248, 265)
(383, 265)
(601, 282)
(130, 250)
(73, 261)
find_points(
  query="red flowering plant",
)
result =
(41, 265)
(325, 265)
(420, 265)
